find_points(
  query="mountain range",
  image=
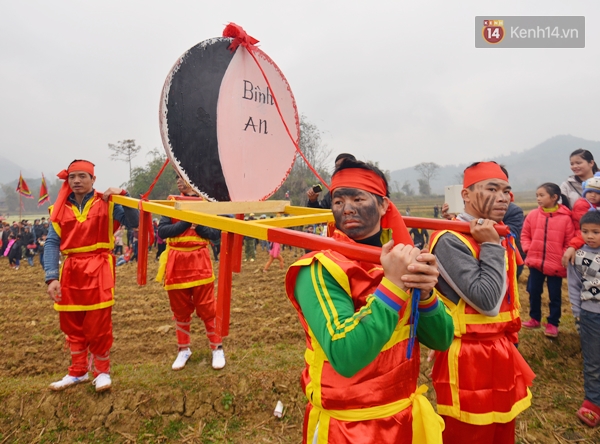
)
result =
(546, 162)
(9, 171)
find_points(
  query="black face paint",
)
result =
(357, 220)
(485, 201)
(483, 204)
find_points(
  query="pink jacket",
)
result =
(545, 237)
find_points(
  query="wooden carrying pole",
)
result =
(273, 230)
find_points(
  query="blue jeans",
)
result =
(30, 260)
(589, 333)
(535, 286)
(42, 260)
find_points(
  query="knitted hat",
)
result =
(592, 184)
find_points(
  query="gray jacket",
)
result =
(481, 282)
(583, 279)
(572, 189)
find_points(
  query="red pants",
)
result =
(395, 429)
(200, 299)
(88, 330)
(456, 432)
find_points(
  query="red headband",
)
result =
(65, 190)
(370, 181)
(483, 171)
(82, 165)
(360, 178)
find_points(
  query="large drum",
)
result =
(220, 124)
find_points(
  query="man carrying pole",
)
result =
(83, 223)
(186, 269)
(361, 322)
(482, 380)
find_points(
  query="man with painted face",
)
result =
(186, 271)
(361, 373)
(482, 380)
(83, 223)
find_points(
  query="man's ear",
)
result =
(93, 179)
(465, 195)
(385, 205)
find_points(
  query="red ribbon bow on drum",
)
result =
(240, 37)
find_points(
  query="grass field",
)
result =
(149, 403)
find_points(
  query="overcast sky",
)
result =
(399, 82)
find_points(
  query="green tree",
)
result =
(125, 150)
(12, 202)
(424, 188)
(142, 178)
(407, 188)
(301, 177)
(11, 198)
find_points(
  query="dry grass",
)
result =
(151, 403)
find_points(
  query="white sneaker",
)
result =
(102, 382)
(68, 381)
(182, 359)
(218, 361)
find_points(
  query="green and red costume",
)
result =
(360, 385)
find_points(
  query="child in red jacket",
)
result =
(589, 202)
(545, 237)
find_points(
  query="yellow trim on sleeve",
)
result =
(395, 289)
(57, 228)
(428, 300)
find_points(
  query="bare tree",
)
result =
(312, 146)
(124, 150)
(428, 171)
(300, 177)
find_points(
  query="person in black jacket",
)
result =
(313, 197)
(29, 244)
(14, 256)
(187, 274)
(5, 233)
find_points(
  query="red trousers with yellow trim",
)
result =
(457, 432)
(88, 330)
(200, 299)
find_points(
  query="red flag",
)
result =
(43, 192)
(22, 188)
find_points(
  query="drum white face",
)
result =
(220, 125)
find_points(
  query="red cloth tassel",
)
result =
(240, 37)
